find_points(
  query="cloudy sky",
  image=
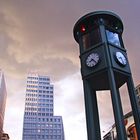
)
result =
(38, 35)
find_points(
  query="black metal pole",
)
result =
(92, 116)
(134, 104)
(117, 108)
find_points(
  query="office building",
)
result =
(39, 120)
(3, 95)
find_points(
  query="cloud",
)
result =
(33, 39)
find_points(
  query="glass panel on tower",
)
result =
(92, 38)
(113, 38)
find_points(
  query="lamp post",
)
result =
(104, 66)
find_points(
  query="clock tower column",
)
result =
(104, 66)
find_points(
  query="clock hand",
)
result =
(121, 59)
(94, 60)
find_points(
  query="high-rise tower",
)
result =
(3, 95)
(39, 120)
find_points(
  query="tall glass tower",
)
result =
(3, 95)
(39, 120)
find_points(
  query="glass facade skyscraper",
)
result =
(3, 95)
(39, 120)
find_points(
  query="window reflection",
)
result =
(91, 38)
(113, 38)
(86, 41)
(95, 37)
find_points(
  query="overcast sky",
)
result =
(38, 35)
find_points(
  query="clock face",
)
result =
(121, 59)
(92, 59)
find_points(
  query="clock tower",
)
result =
(104, 66)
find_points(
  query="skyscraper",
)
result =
(39, 120)
(3, 95)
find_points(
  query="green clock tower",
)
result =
(104, 66)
